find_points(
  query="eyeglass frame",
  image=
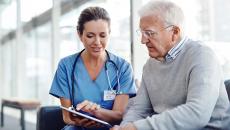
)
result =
(150, 33)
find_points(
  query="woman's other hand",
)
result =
(81, 121)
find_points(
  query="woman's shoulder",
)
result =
(68, 60)
(118, 59)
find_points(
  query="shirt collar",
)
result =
(173, 52)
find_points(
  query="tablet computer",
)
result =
(86, 116)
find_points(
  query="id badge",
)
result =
(109, 95)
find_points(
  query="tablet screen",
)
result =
(86, 116)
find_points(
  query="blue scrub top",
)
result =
(93, 90)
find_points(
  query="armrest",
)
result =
(50, 118)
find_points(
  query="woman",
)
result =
(94, 81)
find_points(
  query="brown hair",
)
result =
(89, 14)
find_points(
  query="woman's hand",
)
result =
(81, 121)
(88, 106)
(72, 119)
(84, 122)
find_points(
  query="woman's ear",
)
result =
(79, 35)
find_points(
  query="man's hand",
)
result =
(128, 126)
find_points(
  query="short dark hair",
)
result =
(89, 14)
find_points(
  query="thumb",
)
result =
(116, 127)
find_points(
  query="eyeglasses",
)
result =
(150, 33)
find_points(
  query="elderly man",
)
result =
(182, 85)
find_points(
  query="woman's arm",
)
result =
(114, 116)
(65, 114)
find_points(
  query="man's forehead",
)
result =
(154, 18)
(151, 20)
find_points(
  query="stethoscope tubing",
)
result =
(107, 75)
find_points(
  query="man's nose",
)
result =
(144, 39)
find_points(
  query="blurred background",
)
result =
(36, 34)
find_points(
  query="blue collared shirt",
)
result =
(173, 52)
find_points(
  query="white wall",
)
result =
(140, 52)
(1, 73)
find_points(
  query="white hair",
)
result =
(169, 12)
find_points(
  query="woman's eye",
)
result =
(89, 36)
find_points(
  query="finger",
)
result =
(77, 121)
(116, 127)
(83, 121)
(94, 106)
(98, 106)
(82, 104)
(90, 124)
(98, 125)
(88, 106)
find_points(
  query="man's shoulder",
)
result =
(196, 45)
(198, 52)
(196, 48)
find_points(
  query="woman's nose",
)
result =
(97, 40)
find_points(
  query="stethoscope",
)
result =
(107, 75)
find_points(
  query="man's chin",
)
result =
(152, 55)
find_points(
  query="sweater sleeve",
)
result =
(203, 91)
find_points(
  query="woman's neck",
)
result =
(93, 61)
(93, 64)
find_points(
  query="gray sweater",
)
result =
(187, 93)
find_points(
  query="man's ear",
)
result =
(176, 33)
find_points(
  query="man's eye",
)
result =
(103, 35)
(148, 33)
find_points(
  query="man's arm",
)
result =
(140, 108)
